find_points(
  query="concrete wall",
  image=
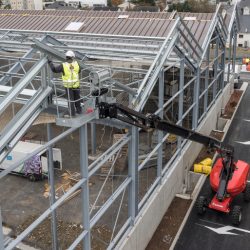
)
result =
(152, 213)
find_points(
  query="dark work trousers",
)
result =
(73, 94)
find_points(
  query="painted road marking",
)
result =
(243, 142)
(223, 229)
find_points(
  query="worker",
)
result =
(70, 75)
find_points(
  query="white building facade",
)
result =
(89, 3)
(26, 4)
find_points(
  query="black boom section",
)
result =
(187, 134)
(130, 116)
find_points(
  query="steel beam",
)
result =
(17, 89)
(44, 215)
(110, 201)
(15, 125)
(35, 152)
(152, 74)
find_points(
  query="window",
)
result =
(240, 36)
(240, 45)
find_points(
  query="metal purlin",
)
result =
(131, 182)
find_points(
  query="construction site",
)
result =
(104, 179)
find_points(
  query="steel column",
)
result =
(229, 55)
(215, 68)
(1, 232)
(234, 51)
(52, 196)
(196, 99)
(133, 173)
(160, 133)
(222, 66)
(93, 138)
(85, 185)
(206, 79)
(181, 85)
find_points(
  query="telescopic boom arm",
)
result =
(127, 115)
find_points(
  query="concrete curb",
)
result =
(202, 179)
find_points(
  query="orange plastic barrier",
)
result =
(248, 67)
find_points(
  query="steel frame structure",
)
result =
(160, 55)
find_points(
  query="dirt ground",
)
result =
(169, 226)
(231, 105)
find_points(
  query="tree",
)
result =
(7, 7)
(143, 2)
(109, 3)
(181, 7)
(196, 6)
(116, 2)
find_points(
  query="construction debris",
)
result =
(68, 181)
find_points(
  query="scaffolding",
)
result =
(141, 68)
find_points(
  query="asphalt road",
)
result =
(214, 230)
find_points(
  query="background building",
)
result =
(244, 21)
(26, 4)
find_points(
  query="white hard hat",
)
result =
(70, 53)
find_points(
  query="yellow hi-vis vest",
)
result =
(71, 75)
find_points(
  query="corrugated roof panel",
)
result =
(162, 29)
(147, 31)
(128, 27)
(60, 23)
(115, 25)
(138, 23)
(201, 31)
(143, 23)
(202, 38)
(118, 27)
(152, 27)
(4, 20)
(99, 25)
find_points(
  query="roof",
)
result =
(99, 22)
(244, 23)
(243, 3)
(105, 8)
(244, 20)
(128, 23)
(59, 5)
(198, 16)
(146, 8)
